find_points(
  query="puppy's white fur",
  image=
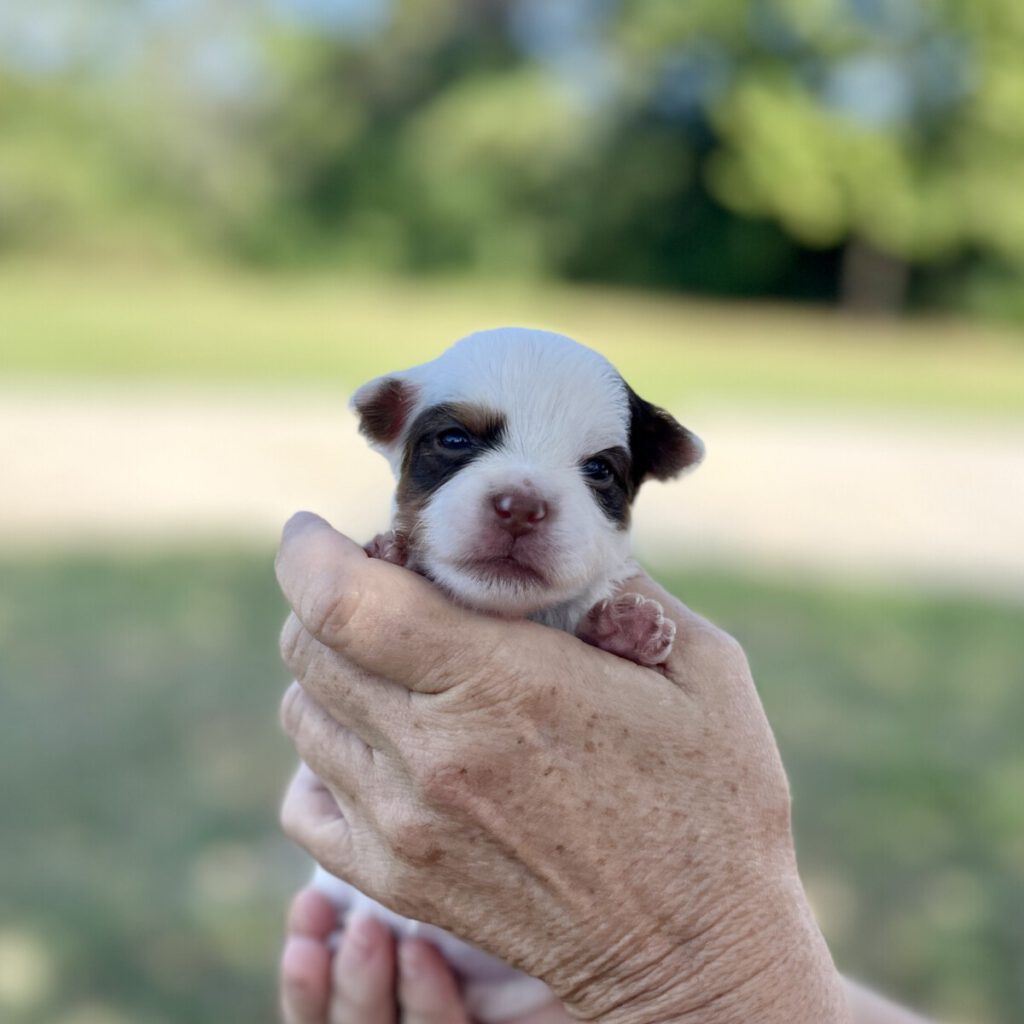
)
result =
(562, 403)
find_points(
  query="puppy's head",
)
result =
(518, 454)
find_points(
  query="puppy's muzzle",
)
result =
(519, 511)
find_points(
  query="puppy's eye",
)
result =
(454, 440)
(597, 471)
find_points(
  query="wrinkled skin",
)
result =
(621, 832)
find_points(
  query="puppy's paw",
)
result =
(389, 547)
(631, 626)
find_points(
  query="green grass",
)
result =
(143, 766)
(97, 322)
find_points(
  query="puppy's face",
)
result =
(518, 454)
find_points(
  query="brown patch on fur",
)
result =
(479, 420)
(409, 504)
(383, 413)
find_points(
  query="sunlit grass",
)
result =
(88, 322)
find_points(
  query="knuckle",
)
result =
(444, 781)
(413, 837)
(293, 708)
(286, 819)
(292, 644)
(327, 611)
(292, 823)
(731, 652)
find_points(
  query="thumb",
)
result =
(388, 621)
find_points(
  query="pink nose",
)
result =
(519, 511)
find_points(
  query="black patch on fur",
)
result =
(615, 495)
(660, 446)
(427, 465)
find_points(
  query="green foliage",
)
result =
(730, 146)
(141, 858)
(61, 180)
(825, 179)
(650, 28)
(489, 156)
(920, 183)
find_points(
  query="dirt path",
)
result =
(913, 500)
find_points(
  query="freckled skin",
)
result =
(630, 626)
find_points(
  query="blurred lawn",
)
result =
(143, 876)
(100, 322)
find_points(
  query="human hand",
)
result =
(357, 984)
(619, 832)
(368, 980)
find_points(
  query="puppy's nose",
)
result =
(519, 511)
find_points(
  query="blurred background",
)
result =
(799, 224)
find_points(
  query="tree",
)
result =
(892, 127)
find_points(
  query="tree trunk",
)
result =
(872, 282)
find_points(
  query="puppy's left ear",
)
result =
(384, 407)
(660, 446)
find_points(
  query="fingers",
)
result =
(364, 974)
(312, 915)
(306, 959)
(304, 981)
(337, 755)
(359, 985)
(392, 623)
(310, 817)
(356, 699)
(427, 989)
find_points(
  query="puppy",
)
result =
(518, 454)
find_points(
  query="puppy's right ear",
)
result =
(384, 407)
